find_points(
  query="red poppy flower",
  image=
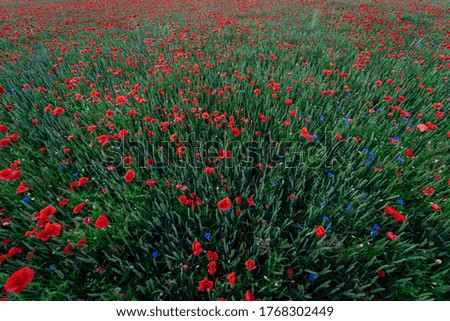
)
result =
(9, 175)
(182, 199)
(391, 236)
(435, 207)
(128, 160)
(58, 111)
(78, 208)
(338, 137)
(19, 280)
(205, 284)
(304, 133)
(320, 231)
(249, 296)
(212, 256)
(231, 278)
(224, 154)
(63, 202)
(121, 100)
(250, 202)
(224, 204)
(212, 268)
(209, 170)
(250, 264)
(236, 132)
(53, 229)
(129, 176)
(68, 248)
(82, 243)
(82, 181)
(22, 189)
(409, 153)
(102, 221)
(197, 248)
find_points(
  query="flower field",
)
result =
(224, 150)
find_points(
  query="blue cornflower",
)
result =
(330, 175)
(374, 232)
(365, 150)
(368, 161)
(371, 155)
(322, 118)
(61, 168)
(400, 160)
(364, 196)
(26, 200)
(325, 218)
(314, 137)
(350, 207)
(155, 254)
(322, 203)
(312, 277)
(375, 226)
(207, 236)
(399, 201)
(274, 182)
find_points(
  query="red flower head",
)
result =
(209, 170)
(82, 181)
(231, 278)
(390, 210)
(304, 133)
(53, 229)
(101, 222)
(212, 256)
(19, 280)
(224, 154)
(320, 231)
(121, 100)
(129, 176)
(250, 264)
(197, 248)
(391, 236)
(435, 207)
(249, 296)
(205, 284)
(78, 208)
(212, 268)
(224, 204)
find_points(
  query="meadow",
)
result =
(224, 150)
